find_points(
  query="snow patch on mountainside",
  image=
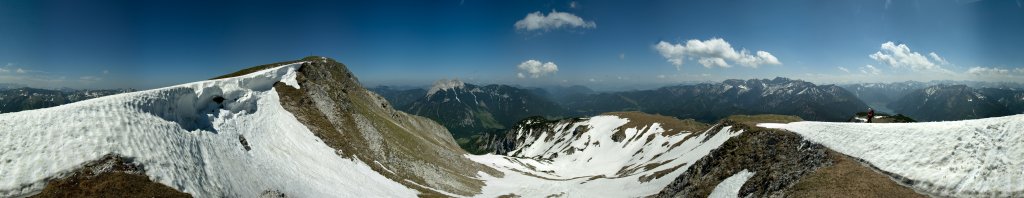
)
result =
(730, 187)
(188, 137)
(445, 85)
(958, 158)
(575, 164)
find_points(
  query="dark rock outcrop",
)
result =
(777, 158)
(110, 176)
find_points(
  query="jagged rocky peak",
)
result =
(766, 82)
(445, 85)
(782, 79)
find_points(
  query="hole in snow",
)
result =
(245, 144)
(219, 100)
(196, 110)
(272, 194)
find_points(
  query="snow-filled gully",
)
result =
(597, 161)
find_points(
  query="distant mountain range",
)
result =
(400, 97)
(879, 95)
(708, 102)
(468, 110)
(24, 98)
(476, 114)
(959, 102)
(942, 100)
(472, 112)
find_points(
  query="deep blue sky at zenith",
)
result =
(148, 44)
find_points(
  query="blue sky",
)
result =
(148, 44)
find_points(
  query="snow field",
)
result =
(983, 157)
(594, 170)
(730, 187)
(188, 142)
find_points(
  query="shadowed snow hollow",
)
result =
(983, 157)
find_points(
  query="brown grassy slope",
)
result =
(122, 179)
(753, 120)
(672, 125)
(848, 178)
(361, 124)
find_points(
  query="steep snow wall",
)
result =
(188, 137)
(983, 157)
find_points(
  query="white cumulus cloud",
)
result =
(870, 69)
(843, 69)
(714, 52)
(536, 69)
(937, 58)
(553, 20)
(900, 56)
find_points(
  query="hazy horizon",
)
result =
(604, 45)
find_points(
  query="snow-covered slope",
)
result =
(598, 157)
(730, 187)
(188, 137)
(983, 157)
